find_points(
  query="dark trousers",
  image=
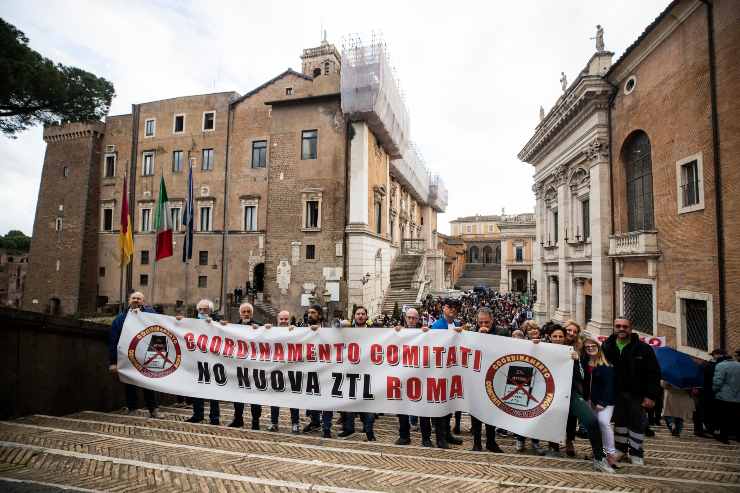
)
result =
(275, 415)
(255, 409)
(581, 410)
(322, 417)
(476, 428)
(570, 427)
(214, 412)
(727, 417)
(132, 397)
(630, 422)
(348, 421)
(704, 417)
(425, 424)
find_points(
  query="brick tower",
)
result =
(63, 259)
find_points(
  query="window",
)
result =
(203, 257)
(378, 218)
(327, 67)
(149, 125)
(468, 228)
(179, 125)
(309, 139)
(146, 220)
(250, 218)
(520, 254)
(689, 180)
(316, 72)
(202, 281)
(144, 257)
(490, 228)
(629, 86)
(288, 91)
(177, 157)
(393, 230)
(207, 163)
(101, 271)
(107, 219)
(310, 252)
(312, 214)
(110, 166)
(209, 120)
(585, 219)
(176, 216)
(637, 159)
(65, 171)
(58, 224)
(147, 166)
(144, 280)
(694, 314)
(259, 154)
(555, 225)
(588, 307)
(638, 305)
(205, 218)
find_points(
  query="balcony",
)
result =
(634, 244)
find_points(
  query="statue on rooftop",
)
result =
(599, 38)
(563, 81)
(542, 113)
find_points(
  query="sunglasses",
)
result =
(620, 326)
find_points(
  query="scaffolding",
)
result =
(371, 93)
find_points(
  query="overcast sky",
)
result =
(474, 73)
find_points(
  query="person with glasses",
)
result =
(600, 391)
(638, 388)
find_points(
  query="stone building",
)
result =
(632, 216)
(13, 270)
(454, 252)
(499, 251)
(305, 187)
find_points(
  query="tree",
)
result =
(16, 241)
(33, 89)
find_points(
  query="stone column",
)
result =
(580, 302)
(552, 301)
(540, 312)
(602, 318)
(358, 175)
(563, 310)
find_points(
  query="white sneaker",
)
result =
(272, 427)
(520, 445)
(296, 428)
(603, 466)
(637, 461)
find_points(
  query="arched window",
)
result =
(638, 167)
(327, 67)
(474, 255)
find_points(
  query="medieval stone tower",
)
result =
(63, 260)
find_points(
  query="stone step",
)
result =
(104, 451)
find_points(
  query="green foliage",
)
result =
(15, 241)
(33, 89)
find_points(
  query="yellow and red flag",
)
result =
(125, 237)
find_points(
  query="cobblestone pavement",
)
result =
(92, 451)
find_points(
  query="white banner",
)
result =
(515, 384)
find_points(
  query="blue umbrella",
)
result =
(678, 369)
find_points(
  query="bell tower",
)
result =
(321, 61)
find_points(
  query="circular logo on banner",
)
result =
(520, 385)
(155, 352)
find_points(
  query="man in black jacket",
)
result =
(638, 387)
(246, 312)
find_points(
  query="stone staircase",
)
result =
(97, 451)
(402, 289)
(473, 275)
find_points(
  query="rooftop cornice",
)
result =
(588, 88)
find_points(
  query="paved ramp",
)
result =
(91, 451)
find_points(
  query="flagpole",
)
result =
(156, 236)
(120, 260)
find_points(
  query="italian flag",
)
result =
(163, 224)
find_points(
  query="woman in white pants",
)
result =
(600, 391)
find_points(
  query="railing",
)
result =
(414, 246)
(634, 243)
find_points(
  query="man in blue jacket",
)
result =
(135, 303)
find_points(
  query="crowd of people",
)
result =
(615, 386)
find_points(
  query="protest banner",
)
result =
(520, 386)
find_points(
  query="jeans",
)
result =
(132, 397)
(581, 410)
(677, 423)
(348, 421)
(275, 415)
(213, 414)
(630, 422)
(255, 409)
(324, 417)
(604, 417)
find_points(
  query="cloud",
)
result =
(474, 73)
